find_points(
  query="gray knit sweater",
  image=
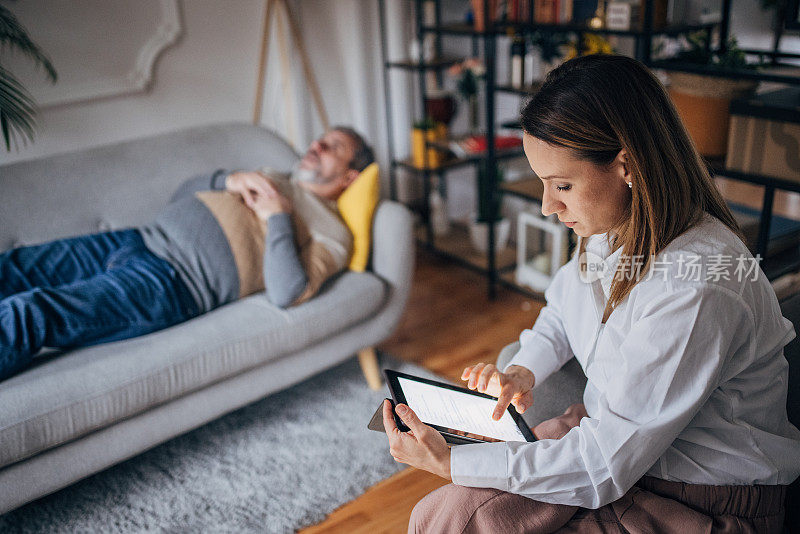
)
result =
(188, 236)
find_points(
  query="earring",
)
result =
(630, 185)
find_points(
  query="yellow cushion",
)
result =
(357, 205)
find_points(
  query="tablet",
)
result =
(459, 414)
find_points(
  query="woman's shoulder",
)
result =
(708, 237)
(708, 258)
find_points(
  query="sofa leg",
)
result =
(369, 366)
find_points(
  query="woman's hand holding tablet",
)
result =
(433, 414)
(422, 447)
(512, 387)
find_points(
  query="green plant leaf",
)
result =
(13, 35)
(16, 110)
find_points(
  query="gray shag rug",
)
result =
(277, 465)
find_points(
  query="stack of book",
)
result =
(476, 144)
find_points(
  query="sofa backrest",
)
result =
(124, 184)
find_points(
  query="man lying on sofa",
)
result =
(222, 237)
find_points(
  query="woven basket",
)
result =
(703, 103)
(710, 86)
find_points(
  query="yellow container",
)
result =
(419, 137)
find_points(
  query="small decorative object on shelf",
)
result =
(439, 219)
(541, 250)
(441, 106)
(479, 235)
(592, 43)
(517, 62)
(599, 19)
(551, 51)
(583, 11)
(423, 132)
(468, 73)
(428, 49)
(620, 15)
(703, 102)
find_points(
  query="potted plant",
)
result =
(703, 101)
(468, 72)
(551, 50)
(587, 44)
(488, 211)
(17, 108)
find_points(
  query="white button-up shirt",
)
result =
(686, 379)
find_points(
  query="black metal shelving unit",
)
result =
(484, 43)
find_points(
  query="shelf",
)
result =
(454, 162)
(449, 163)
(717, 168)
(784, 263)
(434, 64)
(527, 188)
(781, 73)
(585, 28)
(503, 28)
(456, 245)
(457, 29)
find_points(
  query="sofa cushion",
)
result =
(69, 395)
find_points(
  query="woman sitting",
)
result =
(683, 425)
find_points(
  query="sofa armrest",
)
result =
(393, 255)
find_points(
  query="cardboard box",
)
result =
(764, 135)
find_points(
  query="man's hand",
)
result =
(422, 447)
(258, 193)
(512, 387)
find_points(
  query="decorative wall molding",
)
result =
(101, 48)
(167, 33)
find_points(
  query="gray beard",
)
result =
(310, 176)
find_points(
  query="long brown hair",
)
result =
(597, 105)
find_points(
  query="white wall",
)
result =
(208, 76)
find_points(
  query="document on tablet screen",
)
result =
(462, 411)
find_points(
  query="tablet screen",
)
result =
(459, 411)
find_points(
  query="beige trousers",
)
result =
(651, 506)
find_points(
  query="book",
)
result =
(476, 144)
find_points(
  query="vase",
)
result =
(440, 222)
(479, 235)
(441, 106)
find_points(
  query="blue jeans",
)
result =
(83, 291)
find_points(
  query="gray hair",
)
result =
(363, 154)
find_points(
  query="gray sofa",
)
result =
(76, 413)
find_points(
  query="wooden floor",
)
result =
(448, 325)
